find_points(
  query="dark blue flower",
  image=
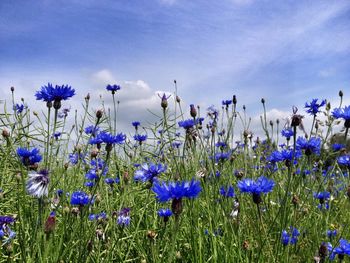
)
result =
(342, 250)
(222, 156)
(19, 108)
(287, 133)
(79, 198)
(124, 217)
(136, 124)
(113, 88)
(89, 184)
(149, 172)
(344, 160)
(140, 138)
(105, 137)
(290, 237)
(261, 185)
(187, 124)
(309, 146)
(5, 220)
(331, 233)
(49, 93)
(313, 107)
(337, 147)
(176, 190)
(29, 157)
(92, 129)
(226, 103)
(75, 157)
(164, 212)
(342, 113)
(275, 157)
(227, 192)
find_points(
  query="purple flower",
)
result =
(38, 183)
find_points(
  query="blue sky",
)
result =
(286, 51)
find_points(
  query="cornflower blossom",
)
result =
(124, 217)
(343, 113)
(257, 187)
(79, 198)
(337, 147)
(227, 192)
(222, 156)
(187, 124)
(175, 191)
(140, 138)
(287, 133)
(314, 107)
(331, 233)
(136, 124)
(75, 157)
(291, 237)
(107, 138)
(19, 108)
(55, 94)
(38, 183)
(113, 88)
(323, 198)
(29, 157)
(149, 172)
(309, 146)
(165, 213)
(92, 129)
(342, 250)
(344, 160)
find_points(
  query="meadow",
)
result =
(182, 190)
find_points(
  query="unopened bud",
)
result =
(341, 93)
(263, 101)
(87, 96)
(193, 111)
(99, 114)
(12, 89)
(5, 133)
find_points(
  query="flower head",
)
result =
(29, 157)
(38, 183)
(343, 113)
(187, 124)
(79, 198)
(287, 133)
(344, 160)
(290, 237)
(309, 146)
(176, 190)
(227, 192)
(55, 94)
(113, 88)
(261, 185)
(314, 107)
(149, 172)
(140, 138)
(124, 217)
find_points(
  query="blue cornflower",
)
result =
(113, 88)
(227, 192)
(176, 190)
(331, 233)
(290, 237)
(29, 157)
(323, 198)
(342, 250)
(89, 184)
(56, 135)
(75, 157)
(176, 144)
(287, 133)
(226, 103)
(261, 185)
(19, 108)
(140, 138)
(221, 144)
(92, 129)
(187, 124)
(55, 94)
(79, 198)
(309, 146)
(107, 138)
(337, 147)
(344, 114)
(38, 183)
(275, 157)
(136, 124)
(212, 112)
(313, 107)
(344, 160)
(222, 156)
(5, 220)
(149, 172)
(111, 181)
(164, 212)
(124, 217)
(5, 230)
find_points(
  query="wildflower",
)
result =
(337, 147)
(309, 146)
(176, 190)
(176, 144)
(323, 198)
(221, 144)
(287, 133)
(55, 94)
(187, 124)
(124, 217)
(6, 220)
(63, 113)
(37, 183)
(6, 230)
(331, 233)
(109, 139)
(29, 157)
(344, 114)
(222, 156)
(75, 157)
(79, 198)
(89, 184)
(313, 107)
(56, 135)
(136, 124)
(140, 138)
(290, 237)
(226, 103)
(342, 250)
(344, 160)
(227, 192)
(261, 185)
(149, 172)
(193, 111)
(19, 108)
(92, 129)
(212, 112)
(113, 88)
(111, 181)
